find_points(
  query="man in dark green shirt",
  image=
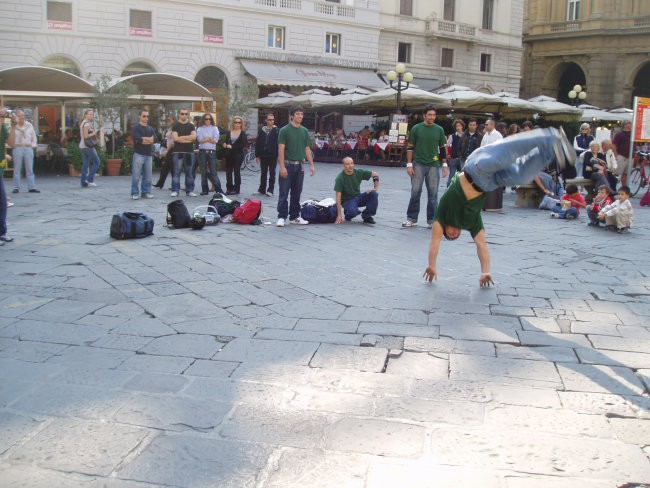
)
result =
(425, 152)
(348, 193)
(294, 146)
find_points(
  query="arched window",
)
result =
(63, 63)
(216, 81)
(137, 68)
(641, 86)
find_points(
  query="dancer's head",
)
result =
(450, 232)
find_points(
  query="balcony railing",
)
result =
(566, 26)
(333, 9)
(642, 21)
(453, 29)
(326, 8)
(288, 4)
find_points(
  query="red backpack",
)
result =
(248, 213)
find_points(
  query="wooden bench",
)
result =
(529, 196)
(586, 185)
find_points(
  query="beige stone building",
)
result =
(476, 43)
(603, 44)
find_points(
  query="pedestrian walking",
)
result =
(88, 154)
(4, 135)
(207, 135)
(23, 140)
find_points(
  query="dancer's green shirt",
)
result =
(456, 210)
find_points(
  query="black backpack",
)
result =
(223, 207)
(178, 217)
(131, 225)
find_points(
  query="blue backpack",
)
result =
(131, 225)
(317, 214)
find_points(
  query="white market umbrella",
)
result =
(413, 97)
(347, 98)
(594, 114)
(551, 109)
(308, 99)
(515, 105)
(462, 97)
(273, 99)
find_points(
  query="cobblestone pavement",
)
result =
(316, 356)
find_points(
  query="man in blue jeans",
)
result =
(294, 146)
(143, 139)
(511, 161)
(348, 193)
(184, 135)
(425, 151)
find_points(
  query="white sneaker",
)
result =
(135, 197)
(280, 223)
(409, 223)
(192, 194)
(299, 221)
(269, 193)
(10, 204)
(174, 193)
(148, 196)
(555, 215)
(90, 183)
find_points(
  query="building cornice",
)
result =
(304, 59)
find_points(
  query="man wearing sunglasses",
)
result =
(184, 135)
(511, 161)
(144, 138)
(266, 151)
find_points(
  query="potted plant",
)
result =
(125, 154)
(112, 101)
(75, 161)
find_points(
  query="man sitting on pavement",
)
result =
(348, 193)
(512, 161)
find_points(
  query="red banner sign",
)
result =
(216, 39)
(138, 31)
(59, 25)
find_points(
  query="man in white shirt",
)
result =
(491, 134)
(23, 141)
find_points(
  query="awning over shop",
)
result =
(166, 87)
(308, 75)
(39, 83)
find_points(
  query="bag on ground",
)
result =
(131, 225)
(178, 216)
(223, 204)
(319, 212)
(248, 213)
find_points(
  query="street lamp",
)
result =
(400, 74)
(578, 94)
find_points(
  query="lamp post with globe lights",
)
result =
(400, 74)
(578, 94)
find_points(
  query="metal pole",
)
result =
(399, 93)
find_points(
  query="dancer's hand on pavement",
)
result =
(486, 279)
(430, 274)
(410, 172)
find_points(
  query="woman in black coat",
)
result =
(235, 143)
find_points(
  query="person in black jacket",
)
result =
(234, 145)
(470, 141)
(266, 152)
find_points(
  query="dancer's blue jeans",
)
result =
(512, 161)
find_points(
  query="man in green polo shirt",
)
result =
(348, 193)
(294, 146)
(425, 152)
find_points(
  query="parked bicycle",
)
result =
(640, 174)
(249, 159)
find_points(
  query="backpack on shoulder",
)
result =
(131, 225)
(178, 217)
(248, 213)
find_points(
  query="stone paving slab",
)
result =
(348, 357)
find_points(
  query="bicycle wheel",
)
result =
(635, 181)
(250, 163)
